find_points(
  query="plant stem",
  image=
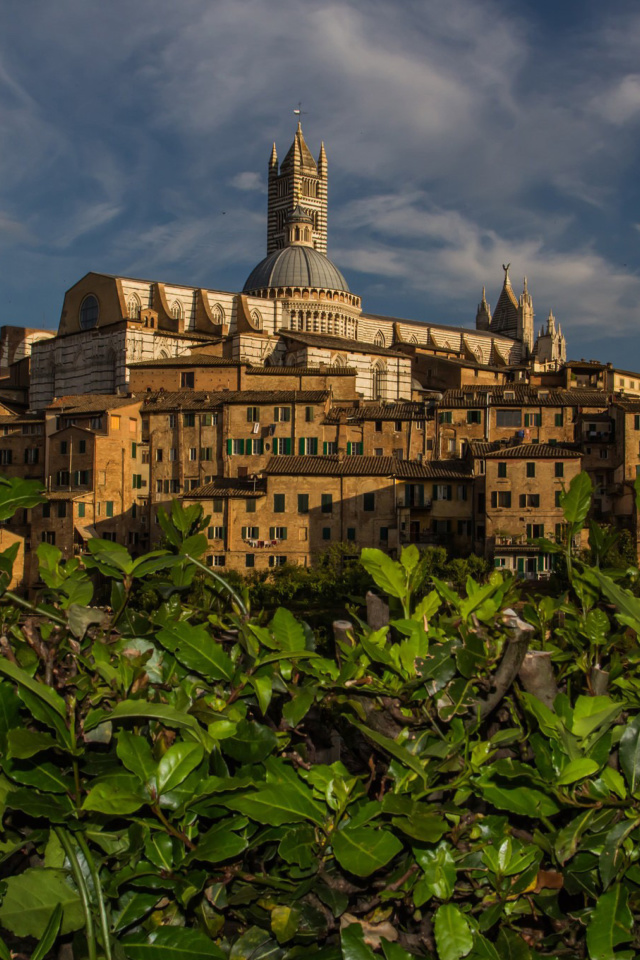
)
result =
(171, 829)
(82, 889)
(104, 923)
(38, 611)
(222, 581)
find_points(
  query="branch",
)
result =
(514, 654)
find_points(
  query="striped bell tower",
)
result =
(298, 180)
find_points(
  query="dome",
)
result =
(296, 266)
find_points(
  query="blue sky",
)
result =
(461, 134)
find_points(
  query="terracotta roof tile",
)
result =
(327, 371)
(518, 395)
(339, 343)
(355, 466)
(161, 401)
(91, 403)
(221, 488)
(187, 360)
(377, 411)
(534, 451)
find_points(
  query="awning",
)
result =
(86, 533)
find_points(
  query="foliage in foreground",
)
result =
(194, 781)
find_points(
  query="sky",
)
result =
(460, 135)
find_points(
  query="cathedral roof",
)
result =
(505, 315)
(299, 151)
(296, 266)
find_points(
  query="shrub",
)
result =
(187, 779)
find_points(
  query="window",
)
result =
(187, 380)
(89, 312)
(209, 419)
(369, 501)
(530, 500)
(134, 511)
(159, 455)
(535, 530)
(531, 469)
(282, 414)
(133, 425)
(326, 503)
(193, 453)
(172, 420)
(351, 533)
(189, 419)
(303, 503)
(275, 561)
(451, 446)
(250, 533)
(158, 486)
(48, 536)
(278, 503)
(378, 452)
(250, 505)
(446, 416)
(62, 478)
(604, 453)
(192, 484)
(218, 506)
(114, 421)
(5, 457)
(326, 533)
(64, 447)
(219, 560)
(355, 449)
(378, 426)
(442, 491)
(397, 452)
(502, 469)
(508, 418)
(474, 416)
(308, 446)
(62, 509)
(533, 419)
(398, 426)
(108, 508)
(329, 448)
(309, 414)
(558, 498)
(81, 478)
(249, 559)
(384, 534)
(216, 533)
(31, 455)
(253, 415)
(500, 498)
(558, 418)
(282, 446)
(96, 423)
(419, 424)
(206, 453)
(558, 469)
(134, 450)
(137, 481)
(277, 533)
(461, 491)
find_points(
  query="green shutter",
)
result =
(420, 487)
(229, 447)
(313, 442)
(324, 449)
(541, 561)
(287, 445)
(134, 449)
(243, 533)
(449, 492)
(272, 533)
(284, 533)
(435, 491)
(301, 446)
(520, 564)
(348, 449)
(258, 446)
(241, 446)
(248, 446)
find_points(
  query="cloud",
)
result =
(249, 180)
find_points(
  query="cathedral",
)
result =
(296, 308)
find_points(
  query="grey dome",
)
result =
(296, 266)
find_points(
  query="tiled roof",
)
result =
(222, 487)
(19, 418)
(377, 411)
(628, 404)
(327, 371)
(187, 334)
(534, 451)
(188, 360)
(355, 466)
(518, 395)
(66, 494)
(200, 400)
(91, 403)
(438, 326)
(339, 343)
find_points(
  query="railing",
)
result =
(262, 544)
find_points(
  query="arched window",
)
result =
(339, 361)
(89, 312)
(134, 306)
(413, 339)
(378, 381)
(256, 319)
(176, 310)
(217, 312)
(379, 339)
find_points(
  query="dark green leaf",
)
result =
(610, 925)
(197, 649)
(277, 804)
(135, 753)
(630, 754)
(134, 907)
(41, 690)
(251, 742)
(164, 943)
(31, 898)
(50, 934)
(387, 573)
(576, 502)
(363, 850)
(119, 795)
(142, 710)
(23, 743)
(218, 844)
(353, 945)
(454, 938)
(176, 765)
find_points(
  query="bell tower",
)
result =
(298, 180)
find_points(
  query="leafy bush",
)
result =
(186, 779)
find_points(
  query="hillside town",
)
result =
(298, 420)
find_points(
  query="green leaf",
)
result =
(611, 924)
(195, 647)
(135, 753)
(23, 743)
(176, 765)
(568, 838)
(50, 934)
(17, 494)
(397, 750)
(511, 946)
(43, 776)
(629, 753)
(218, 844)
(31, 898)
(119, 795)
(522, 800)
(251, 742)
(41, 690)
(628, 606)
(284, 922)
(287, 631)
(576, 502)
(387, 573)
(363, 850)
(136, 905)
(353, 945)
(297, 708)
(181, 943)
(577, 770)
(454, 938)
(263, 687)
(590, 713)
(142, 710)
(276, 804)
(609, 863)
(9, 713)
